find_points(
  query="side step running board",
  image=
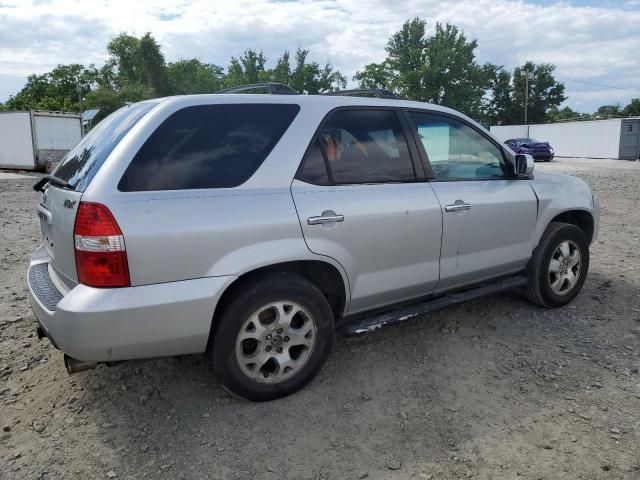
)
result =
(370, 323)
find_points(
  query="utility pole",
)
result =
(527, 76)
(79, 90)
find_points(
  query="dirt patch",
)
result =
(492, 389)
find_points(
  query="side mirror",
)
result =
(524, 165)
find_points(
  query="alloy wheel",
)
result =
(564, 267)
(275, 342)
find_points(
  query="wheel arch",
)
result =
(325, 276)
(582, 219)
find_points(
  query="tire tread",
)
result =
(249, 294)
(533, 290)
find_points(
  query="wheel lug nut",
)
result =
(279, 349)
(269, 337)
(279, 330)
(268, 349)
(286, 339)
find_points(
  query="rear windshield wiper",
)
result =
(40, 184)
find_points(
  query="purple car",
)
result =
(539, 150)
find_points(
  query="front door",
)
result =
(359, 202)
(489, 215)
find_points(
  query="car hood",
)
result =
(556, 178)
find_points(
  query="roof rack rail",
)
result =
(272, 88)
(376, 92)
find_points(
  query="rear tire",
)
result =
(558, 267)
(272, 338)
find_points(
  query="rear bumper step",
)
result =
(42, 286)
(373, 322)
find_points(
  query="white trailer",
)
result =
(35, 140)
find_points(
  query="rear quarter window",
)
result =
(208, 146)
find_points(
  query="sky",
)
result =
(595, 44)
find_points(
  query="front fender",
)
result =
(558, 194)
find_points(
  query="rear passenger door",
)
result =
(362, 201)
(489, 214)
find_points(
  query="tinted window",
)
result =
(80, 165)
(455, 150)
(208, 146)
(366, 146)
(314, 169)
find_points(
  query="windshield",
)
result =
(81, 164)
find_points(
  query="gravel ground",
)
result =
(495, 388)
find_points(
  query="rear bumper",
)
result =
(102, 324)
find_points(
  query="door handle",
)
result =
(457, 206)
(328, 216)
(44, 214)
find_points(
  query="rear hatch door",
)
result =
(58, 206)
(57, 212)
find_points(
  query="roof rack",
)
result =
(376, 92)
(272, 88)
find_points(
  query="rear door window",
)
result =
(362, 146)
(208, 146)
(80, 165)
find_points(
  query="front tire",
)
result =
(272, 338)
(558, 267)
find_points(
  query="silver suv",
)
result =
(251, 228)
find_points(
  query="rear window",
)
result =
(208, 146)
(84, 160)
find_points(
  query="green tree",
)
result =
(303, 76)
(282, 71)
(545, 93)
(440, 68)
(563, 114)
(507, 94)
(310, 77)
(55, 90)
(136, 70)
(498, 105)
(633, 109)
(193, 76)
(108, 99)
(453, 77)
(403, 68)
(249, 68)
(376, 75)
(407, 60)
(138, 61)
(609, 111)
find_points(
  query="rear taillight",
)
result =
(101, 256)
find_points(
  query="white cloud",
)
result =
(598, 44)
